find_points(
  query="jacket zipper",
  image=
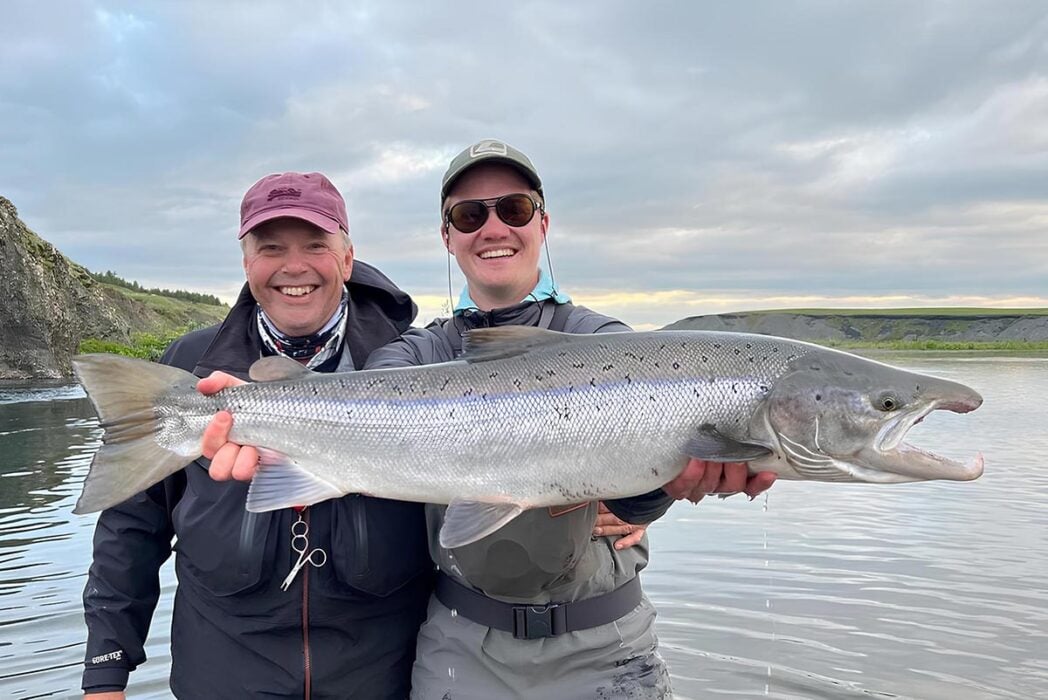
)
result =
(306, 660)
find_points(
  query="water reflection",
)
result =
(909, 591)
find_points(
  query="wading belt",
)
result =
(538, 621)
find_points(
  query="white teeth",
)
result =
(501, 253)
(296, 291)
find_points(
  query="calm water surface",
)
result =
(933, 590)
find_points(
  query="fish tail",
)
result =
(125, 393)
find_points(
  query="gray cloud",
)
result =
(835, 149)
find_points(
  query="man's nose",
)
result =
(294, 262)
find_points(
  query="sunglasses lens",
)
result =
(515, 209)
(468, 216)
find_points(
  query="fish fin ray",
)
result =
(278, 368)
(466, 522)
(710, 444)
(280, 483)
(125, 392)
(486, 344)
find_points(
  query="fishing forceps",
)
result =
(300, 543)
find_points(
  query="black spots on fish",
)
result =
(483, 397)
(654, 471)
(656, 363)
(593, 382)
(716, 346)
(662, 347)
(607, 368)
(628, 380)
(342, 383)
(774, 349)
(447, 380)
(751, 359)
(493, 375)
(695, 390)
(736, 351)
(562, 353)
(517, 383)
(468, 392)
(539, 377)
(372, 383)
(749, 346)
(818, 397)
(451, 413)
(651, 396)
(578, 365)
(563, 413)
(917, 387)
(705, 358)
(764, 388)
(815, 367)
(316, 392)
(551, 373)
(676, 365)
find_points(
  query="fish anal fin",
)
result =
(278, 368)
(468, 521)
(280, 483)
(710, 444)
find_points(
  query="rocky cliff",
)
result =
(48, 304)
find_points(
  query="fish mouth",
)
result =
(891, 454)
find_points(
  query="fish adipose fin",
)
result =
(466, 522)
(485, 344)
(280, 483)
(712, 445)
(125, 393)
(278, 368)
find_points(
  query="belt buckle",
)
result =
(537, 621)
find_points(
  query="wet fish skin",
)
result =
(533, 418)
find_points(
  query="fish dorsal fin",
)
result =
(466, 522)
(278, 368)
(280, 483)
(712, 445)
(484, 344)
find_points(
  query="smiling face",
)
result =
(500, 262)
(296, 272)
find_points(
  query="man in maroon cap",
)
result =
(343, 625)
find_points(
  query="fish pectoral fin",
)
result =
(278, 368)
(466, 522)
(712, 445)
(280, 483)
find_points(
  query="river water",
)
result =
(934, 590)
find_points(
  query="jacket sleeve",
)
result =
(648, 507)
(419, 346)
(132, 540)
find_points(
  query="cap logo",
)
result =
(487, 147)
(283, 193)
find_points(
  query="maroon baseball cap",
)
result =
(307, 196)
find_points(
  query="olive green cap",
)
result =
(488, 150)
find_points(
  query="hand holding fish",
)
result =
(228, 459)
(702, 478)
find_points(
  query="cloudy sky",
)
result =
(698, 157)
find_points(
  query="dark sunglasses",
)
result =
(512, 209)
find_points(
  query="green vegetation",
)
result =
(937, 345)
(147, 346)
(926, 311)
(111, 278)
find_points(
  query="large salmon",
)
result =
(529, 418)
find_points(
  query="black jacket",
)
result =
(343, 630)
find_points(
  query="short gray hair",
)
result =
(346, 240)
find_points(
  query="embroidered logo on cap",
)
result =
(283, 193)
(489, 146)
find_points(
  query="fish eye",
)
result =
(887, 402)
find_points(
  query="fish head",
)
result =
(838, 417)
